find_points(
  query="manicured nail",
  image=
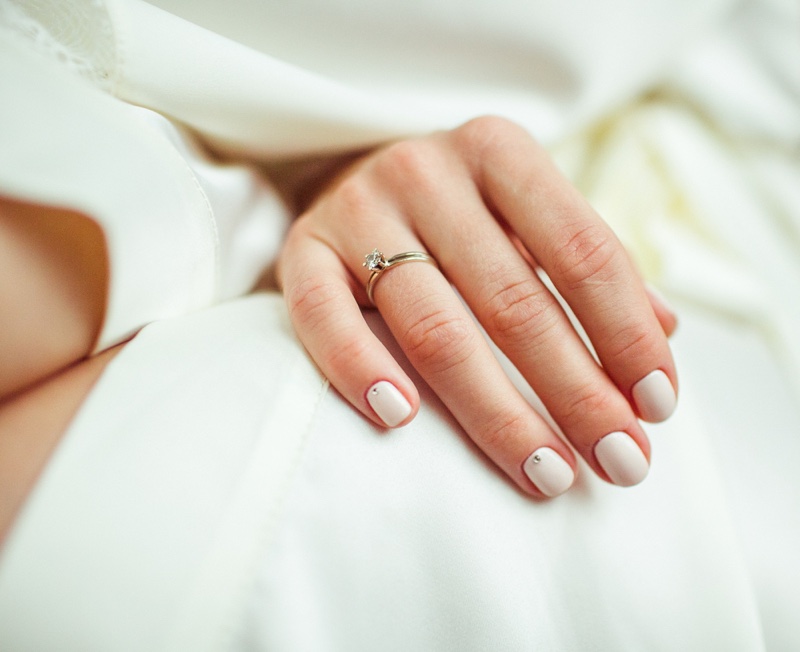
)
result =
(549, 472)
(622, 459)
(655, 399)
(389, 404)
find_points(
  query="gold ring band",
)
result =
(377, 263)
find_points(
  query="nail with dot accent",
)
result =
(622, 459)
(654, 397)
(548, 471)
(389, 404)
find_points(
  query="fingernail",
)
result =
(622, 459)
(389, 404)
(549, 472)
(655, 399)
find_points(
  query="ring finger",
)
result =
(446, 347)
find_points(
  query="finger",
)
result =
(330, 325)
(584, 259)
(444, 344)
(528, 324)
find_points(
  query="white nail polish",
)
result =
(622, 459)
(389, 404)
(655, 399)
(549, 471)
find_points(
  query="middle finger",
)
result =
(528, 324)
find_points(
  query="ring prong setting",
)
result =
(374, 261)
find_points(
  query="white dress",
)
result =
(215, 493)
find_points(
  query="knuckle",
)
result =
(300, 229)
(312, 300)
(486, 141)
(355, 196)
(588, 256)
(504, 427)
(349, 353)
(585, 404)
(410, 162)
(520, 309)
(633, 341)
(486, 130)
(440, 341)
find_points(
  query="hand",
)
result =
(488, 204)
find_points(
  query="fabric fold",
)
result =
(182, 231)
(147, 525)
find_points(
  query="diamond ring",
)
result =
(377, 263)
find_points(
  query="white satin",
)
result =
(214, 494)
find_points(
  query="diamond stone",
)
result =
(374, 261)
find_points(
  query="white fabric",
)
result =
(406, 540)
(212, 495)
(133, 563)
(184, 234)
(415, 65)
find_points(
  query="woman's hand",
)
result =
(488, 204)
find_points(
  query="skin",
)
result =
(53, 277)
(32, 423)
(486, 203)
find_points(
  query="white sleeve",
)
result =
(182, 231)
(243, 101)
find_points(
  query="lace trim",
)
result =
(78, 34)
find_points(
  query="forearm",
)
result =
(32, 423)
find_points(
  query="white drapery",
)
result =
(259, 512)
